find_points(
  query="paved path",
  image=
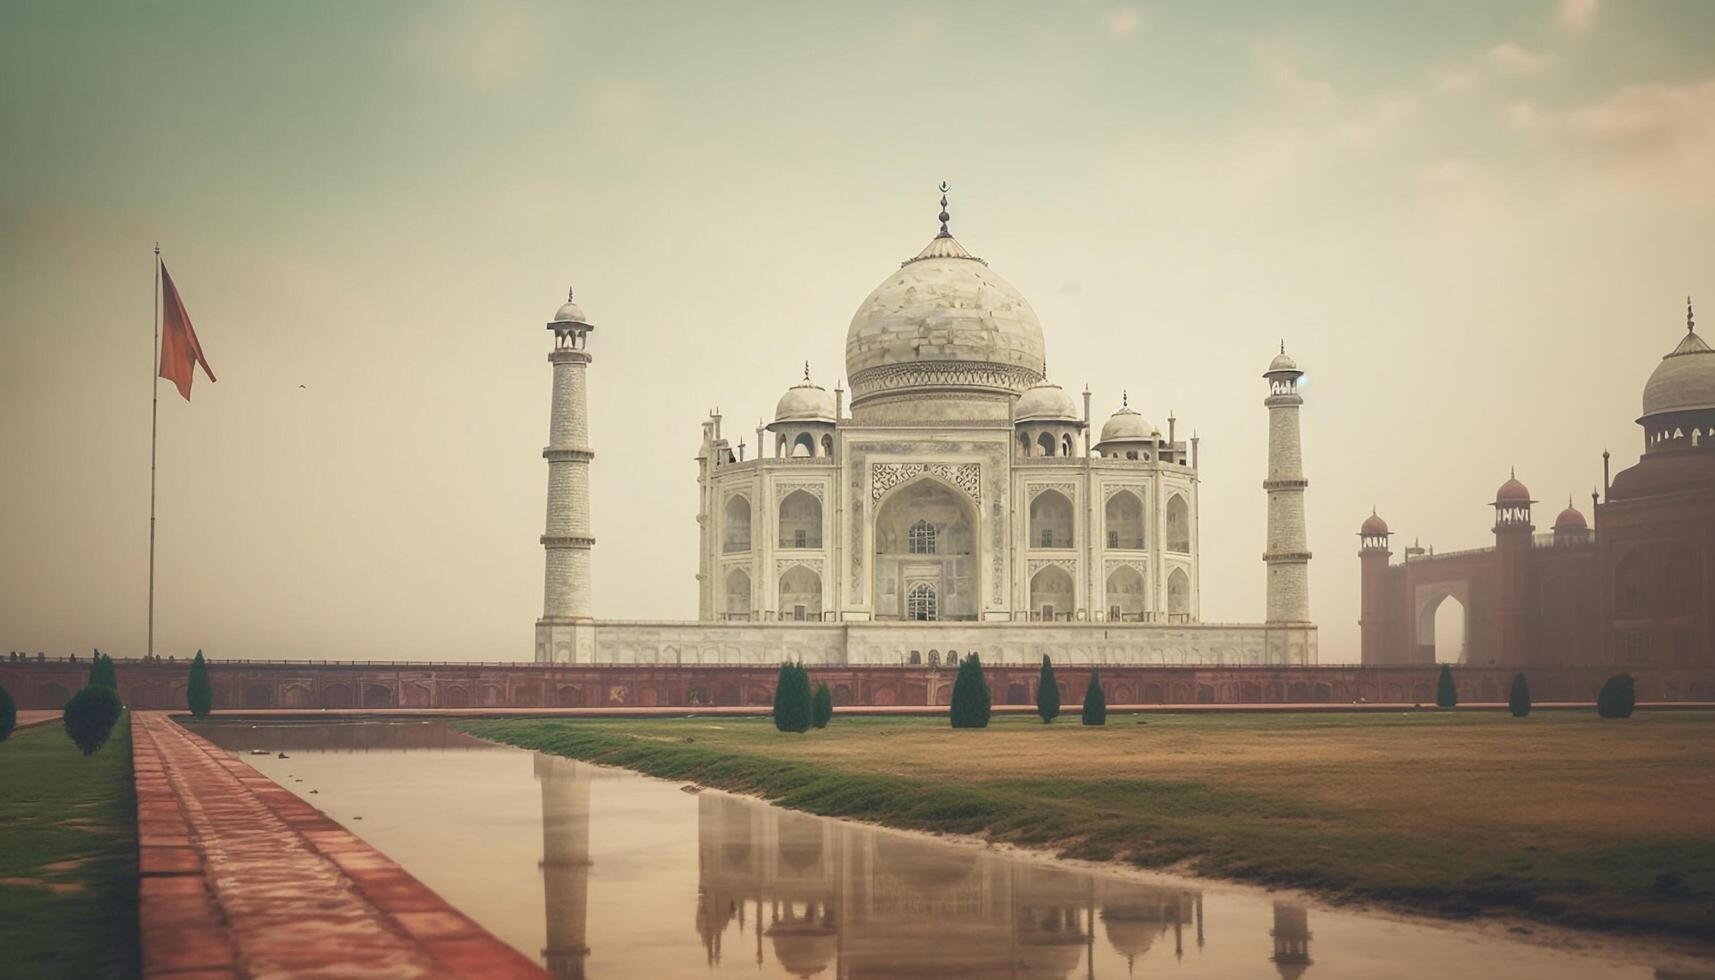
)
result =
(30, 719)
(241, 878)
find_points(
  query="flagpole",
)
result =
(154, 425)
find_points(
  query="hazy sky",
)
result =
(1474, 224)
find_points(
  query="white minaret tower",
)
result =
(565, 633)
(1288, 554)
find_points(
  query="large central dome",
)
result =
(944, 321)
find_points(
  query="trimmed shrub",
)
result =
(1095, 702)
(822, 707)
(8, 714)
(1446, 695)
(1617, 697)
(1518, 701)
(89, 716)
(101, 671)
(199, 696)
(1047, 693)
(970, 707)
(792, 699)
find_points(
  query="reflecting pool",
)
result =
(608, 874)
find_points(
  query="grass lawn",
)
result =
(68, 856)
(1561, 816)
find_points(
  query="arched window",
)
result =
(1045, 444)
(800, 594)
(1050, 520)
(1066, 445)
(934, 658)
(920, 602)
(915, 659)
(738, 594)
(1123, 516)
(735, 535)
(827, 445)
(1024, 444)
(1051, 594)
(1178, 525)
(1179, 593)
(1125, 595)
(921, 538)
(1631, 592)
(800, 520)
(804, 445)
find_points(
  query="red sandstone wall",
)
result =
(241, 684)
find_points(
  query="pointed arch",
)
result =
(800, 520)
(737, 590)
(1178, 593)
(800, 594)
(1125, 594)
(804, 445)
(1123, 518)
(1045, 444)
(1052, 594)
(1178, 524)
(735, 524)
(1051, 522)
(926, 530)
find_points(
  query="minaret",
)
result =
(563, 633)
(1514, 535)
(1288, 554)
(1373, 556)
(565, 863)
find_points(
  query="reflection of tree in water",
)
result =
(1291, 940)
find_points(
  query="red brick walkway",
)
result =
(242, 878)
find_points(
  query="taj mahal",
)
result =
(961, 502)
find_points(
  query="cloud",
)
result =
(1576, 15)
(1508, 58)
(1654, 136)
(919, 28)
(619, 103)
(1122, 22)
(485, 47)
(1281, 72)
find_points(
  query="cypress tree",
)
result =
(1519, 700)
(101, 671)
(1095, 702)
(199, 696)
(822, 708)
(970, 708)
(1617, 697)
(8, 714)
(1446, 695)
(90, 715)
(792, 699)
(1047, 693)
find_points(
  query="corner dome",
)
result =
(1046, 402)
(944, 320)
(1373, 525)
(1684, 381)
(1513, 492)
(1282, 362)
(805, 401)
(569, 312)
(1570, 519)
(1126, 425)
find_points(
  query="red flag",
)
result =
(180, 351)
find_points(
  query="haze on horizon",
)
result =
(1474, 224)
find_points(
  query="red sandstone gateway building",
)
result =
(1636, 590)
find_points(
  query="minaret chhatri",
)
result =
(564, 632)
(1288, 554)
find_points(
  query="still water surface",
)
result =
(608, 874)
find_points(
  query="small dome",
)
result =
(1045, 402)
(1512, 492)
(1373, 525)
(805, 401)
(1570, 519)
(569, 312)
(1282, 362)
(1126, 425)
(1684, 381)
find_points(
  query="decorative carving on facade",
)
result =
(1068, 490)
(1109, 489)
(781, 490)
(966, 476)
(782, 564)
(1115, 564)
(933, 374)
(1038, 564)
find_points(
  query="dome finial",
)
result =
(944, 216)
(1512, 472)
(1283, 345)
(1125, 398)
(806, 370)
(1690, 324)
